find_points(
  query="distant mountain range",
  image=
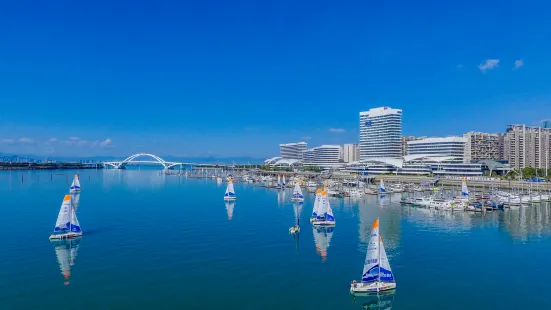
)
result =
(211, 159)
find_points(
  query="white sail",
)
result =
(382, 186)
(371, 264)
(328, 212)
(278, 180)
(297, 192)
(322, 207)
(386, 274)
(229, 209)
(464, 189)
(317, 203)
(322, 239)
(64, 218)
(284, 183)
(230, 192)
(75, 226)
(75, 186)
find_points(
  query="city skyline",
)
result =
(192, 80)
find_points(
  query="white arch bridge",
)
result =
(142, 158)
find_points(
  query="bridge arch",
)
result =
(133, 160)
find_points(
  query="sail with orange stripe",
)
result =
(376, 265)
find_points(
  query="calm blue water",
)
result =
(167, 242)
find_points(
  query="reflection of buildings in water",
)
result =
(229, 209)
(528, 220)
(133, 178)
(66, 252)
(322, 239)
(389, 222)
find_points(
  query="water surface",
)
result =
(167, 242)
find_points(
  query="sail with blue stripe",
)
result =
(376, 265)
(230, 192)
(382, 188)
(317, 203)
(328, 212)
(75, 186)
(464, 189)
(297, 192)
(63, 222)
(284, 183)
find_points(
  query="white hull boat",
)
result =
(377, 275)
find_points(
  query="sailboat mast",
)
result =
(379, 248)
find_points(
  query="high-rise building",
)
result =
(381, 133)
(351, 153)
(453, 147)
(323, 156)
(481, 145)
(292, 150)
(527, 147)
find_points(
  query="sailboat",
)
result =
(377, 275)
(66, 252)
(230, 192)
(278, 181)
(75, 186)
(325, 215)
(230, 204)
(382, 189)
(298, 210)
(322, 239)
(67, 225)
(297, 193)
(283, 184)
(317, 203)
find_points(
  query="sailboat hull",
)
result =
(323, 223)
(297, 199)
(229, 198)
(70, 235)
(370, 288)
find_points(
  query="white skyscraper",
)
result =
(351, 153)
(381, 133)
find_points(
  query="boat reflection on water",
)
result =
(229, 208)
(66, 252)
(322, 238)
(76, 199)
(381, 301)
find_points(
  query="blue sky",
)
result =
(236, 78)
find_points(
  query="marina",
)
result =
(244, 241)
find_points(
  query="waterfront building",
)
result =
(453, 147)
(421, 164)
(482, 145)
(325, 156)
(405, 141)
(527, 147)
(351, 153)
(381, 133)
(292, 150)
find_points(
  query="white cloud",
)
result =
(53, 140)
(306, 138)
(106, 142)
(336, 130)
(26, 140)
(519, 63)
(7, 141)
(74, 138)
(489, 64)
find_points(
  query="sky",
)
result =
(237, 78)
